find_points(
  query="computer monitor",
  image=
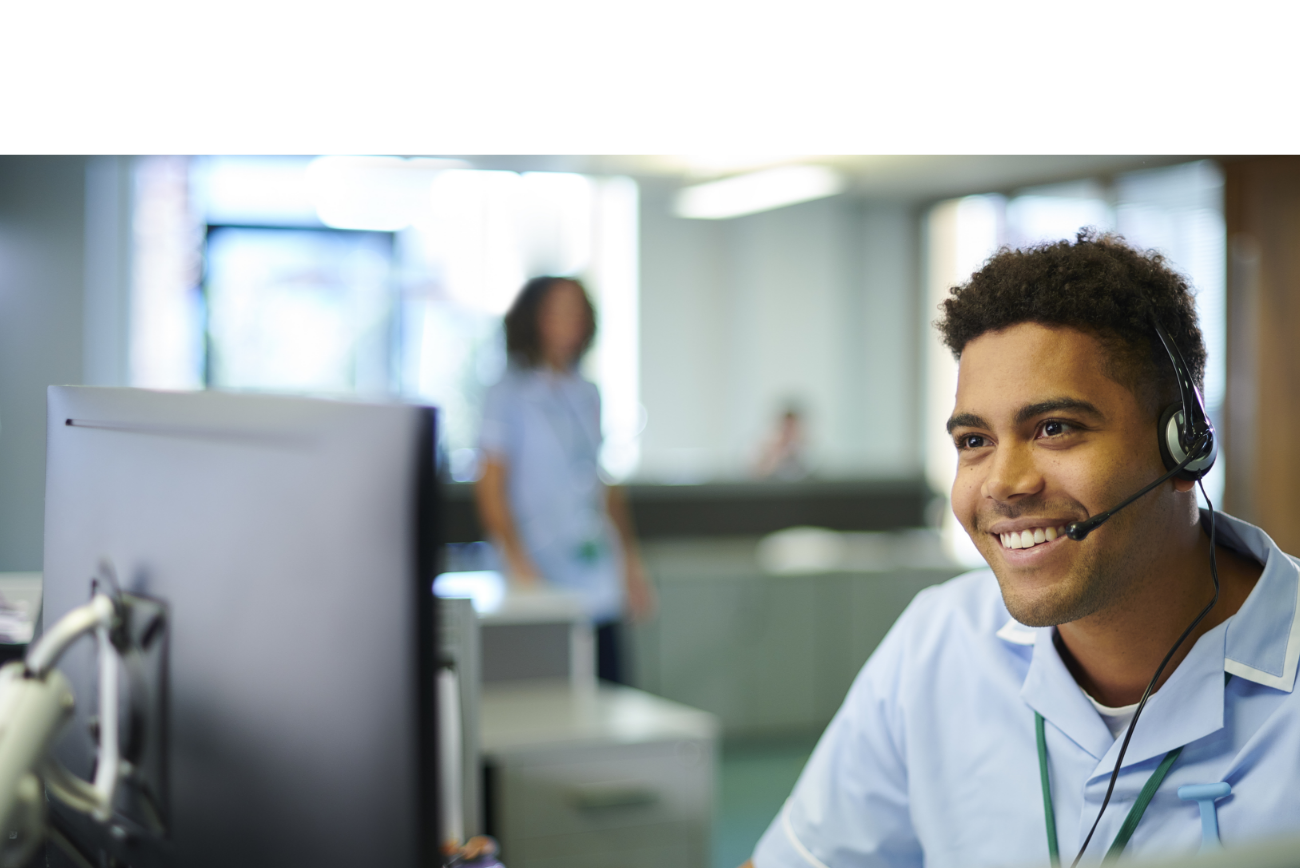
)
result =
(291, 544)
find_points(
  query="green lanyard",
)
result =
(1134, 815)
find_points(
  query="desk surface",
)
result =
(517, 718)
(20, 606)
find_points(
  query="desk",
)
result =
(20, 612)
(597, 777)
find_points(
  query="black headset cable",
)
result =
(1128, 736)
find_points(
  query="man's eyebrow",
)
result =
(1054, 405)
(966, 420)
(1029, 411)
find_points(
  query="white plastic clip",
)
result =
(100, 616)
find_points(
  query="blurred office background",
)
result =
(728, 290)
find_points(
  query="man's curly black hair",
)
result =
(1097, 284)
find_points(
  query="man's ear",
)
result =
(1184, 485)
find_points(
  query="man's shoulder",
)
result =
(971, 597)
(954, 617)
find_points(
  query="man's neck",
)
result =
(1114, 652)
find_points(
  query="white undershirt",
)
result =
(1117, 719)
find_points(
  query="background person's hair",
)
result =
(1098, 284)
(523, 340)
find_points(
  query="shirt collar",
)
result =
(1260, 643)
(1263, 641)
(1187, 707)
(1051, 690)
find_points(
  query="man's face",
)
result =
(1045, 438)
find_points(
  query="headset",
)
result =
(1188, 449)
(1185, 435)
(1186, 424)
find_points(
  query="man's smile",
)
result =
(1031, 536)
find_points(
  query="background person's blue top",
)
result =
(545, 427)
(932, 759)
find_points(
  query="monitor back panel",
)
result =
(285, 536)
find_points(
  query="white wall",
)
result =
(65, 230)
(41, 300)
(109, 228)
(888, 393)
(815, 302)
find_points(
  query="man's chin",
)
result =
(1034, 616)
(1041, 606)
(1057, 587)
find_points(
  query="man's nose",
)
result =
(1012, 474)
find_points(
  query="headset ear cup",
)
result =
(1171, 450)
(1168, 436)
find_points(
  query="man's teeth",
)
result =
(1024, 539)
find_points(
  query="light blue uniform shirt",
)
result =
(545, 428)
(932, 758)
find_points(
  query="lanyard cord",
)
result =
(1128, 736)
(1134, 815)
(1053, 848)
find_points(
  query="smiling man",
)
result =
(986, 727)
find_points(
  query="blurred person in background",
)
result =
(540, 497)
(783, 455)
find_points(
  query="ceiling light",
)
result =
(703, 166)
(758, 191)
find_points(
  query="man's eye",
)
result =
(1055, 428)
(969, 441)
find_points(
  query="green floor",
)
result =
(754, 779)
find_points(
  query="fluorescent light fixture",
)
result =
(714, 165)
(382, 194)
(757, 191)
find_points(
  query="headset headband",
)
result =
(1196, 422)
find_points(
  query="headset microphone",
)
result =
(1186, 436)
